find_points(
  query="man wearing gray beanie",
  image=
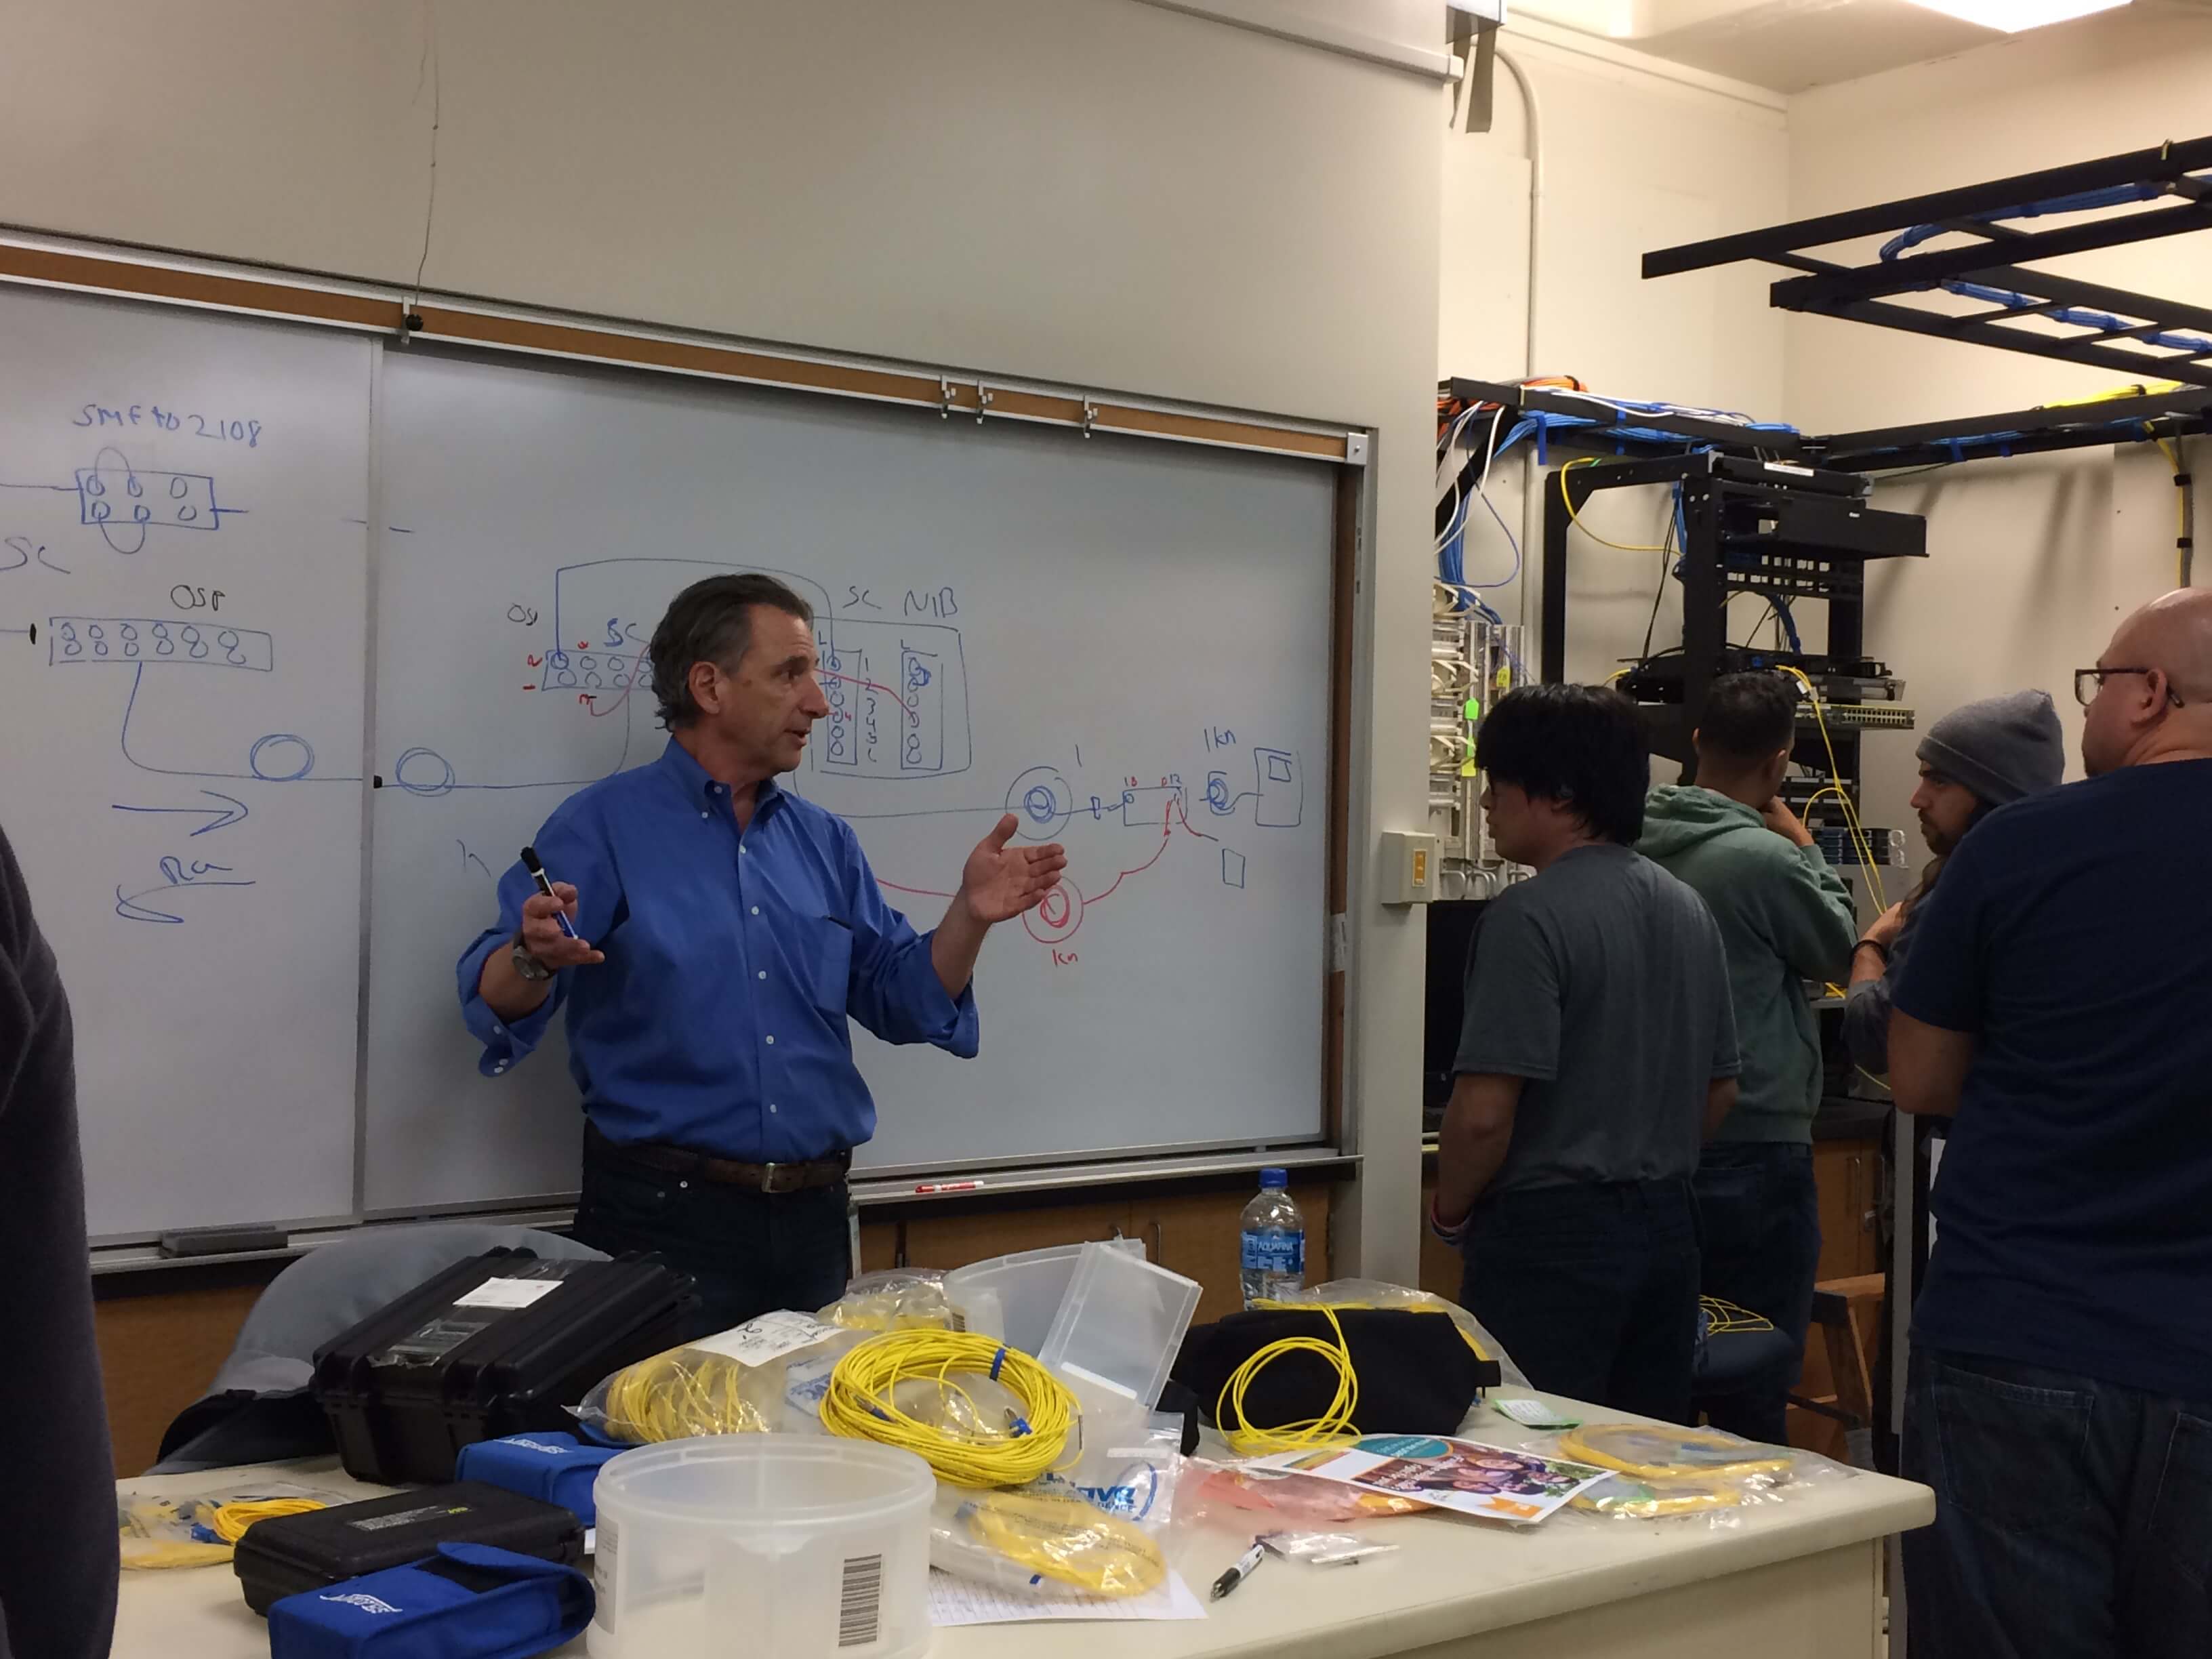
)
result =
(1977, 758)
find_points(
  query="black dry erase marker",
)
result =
(1237, 1575)
(538, 874)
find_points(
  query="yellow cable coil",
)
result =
(1334, 1424)
(692, 1391)
(1655, 1451)
(861, 1405)
(231, 1520)
(1666, 1495)
(1066, 1539)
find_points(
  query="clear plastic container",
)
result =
(1119, 1326)
(792, 1544)
(1273, 1247)
(1015, 1298)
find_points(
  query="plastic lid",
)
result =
(767, 1479)
(1273, 1178)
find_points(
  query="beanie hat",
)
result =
(2001, 748)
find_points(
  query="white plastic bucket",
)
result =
(801, 1546)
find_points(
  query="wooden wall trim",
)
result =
(367, 307)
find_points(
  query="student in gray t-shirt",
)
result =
(1597, 1054)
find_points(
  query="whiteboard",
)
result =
(183, 558)
(1126, 643)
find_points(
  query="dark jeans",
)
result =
(2073, 1517)
(1593, 1289)
(1758, 1234)
(749, 1252)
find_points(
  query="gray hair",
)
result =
(710, 620)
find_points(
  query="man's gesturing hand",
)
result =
(1000, 882)
(542, 936)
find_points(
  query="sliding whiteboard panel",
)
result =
(1124, 643)
(183, 551)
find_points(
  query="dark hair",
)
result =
(1749, 717)
(1580, 745)
(710, 620)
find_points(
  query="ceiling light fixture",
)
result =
(2011, 16)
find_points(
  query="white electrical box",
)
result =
(1409, 868)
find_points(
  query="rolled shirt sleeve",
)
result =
(571, 853)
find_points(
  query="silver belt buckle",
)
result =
(772, 1178)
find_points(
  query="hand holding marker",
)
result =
(547, 933)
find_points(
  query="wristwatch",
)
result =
(527, 965)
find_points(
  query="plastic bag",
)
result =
(897, 1299)
(1032, 1541)
(1231, 1495)
(1667, 1473)
(1640, 1500)
(764, 1377)
(157, 1531)
(1129, 1466)
(1379, 1293)
(1322, 1549)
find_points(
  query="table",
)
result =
(1796, 1580)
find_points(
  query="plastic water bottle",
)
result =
(1274, 1241)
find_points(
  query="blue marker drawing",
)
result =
(177, 877)
(231, 812)
(1232, 867)
(1040, 802)
(123, 639)
(1282, 790)
(16, 551)
(279, 758)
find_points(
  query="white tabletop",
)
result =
(1449, 1579)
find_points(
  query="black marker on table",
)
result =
(1237, 1575)
(538, 874)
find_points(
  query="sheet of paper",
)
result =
(1464, 1476)
(508, 1292)
(962, 1602)
(769, 1337)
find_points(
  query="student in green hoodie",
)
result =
(1785, 917)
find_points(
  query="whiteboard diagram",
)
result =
(1120, 647)
(183, 550)
(1120, 644)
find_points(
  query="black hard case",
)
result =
(411, 1384)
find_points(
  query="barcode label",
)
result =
(604, 1556)
(860, 1607)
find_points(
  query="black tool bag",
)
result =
(497, 1345)
(290, 1553)
(1417, 1374)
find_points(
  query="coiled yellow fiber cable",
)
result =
(231, 1520)
(862, 1405)
(1332, 1424)
(1066, 1539)
(691, 1391)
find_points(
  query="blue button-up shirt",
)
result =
(718, 1021)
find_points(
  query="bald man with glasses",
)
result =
(2058, 1008)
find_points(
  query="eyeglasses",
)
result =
(2088, 682)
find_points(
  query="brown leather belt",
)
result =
(722, 1171)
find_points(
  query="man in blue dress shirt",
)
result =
(724, 930)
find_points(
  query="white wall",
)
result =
(1089, 191)
(1637, 154)
(2031, 561)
